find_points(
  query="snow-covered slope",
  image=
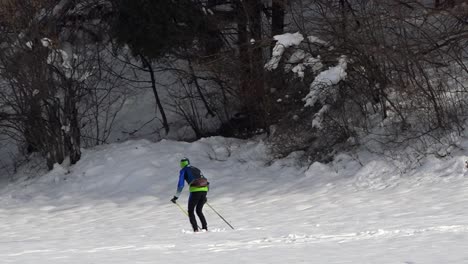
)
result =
(113, 207)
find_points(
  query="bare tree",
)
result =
(406, 63)
(46, 74)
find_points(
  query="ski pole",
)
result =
(182, 209)
(219, 215)
(185, 212)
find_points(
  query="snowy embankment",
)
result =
(113, 207)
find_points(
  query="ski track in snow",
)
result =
(110, 209)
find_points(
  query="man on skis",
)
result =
(198, 187)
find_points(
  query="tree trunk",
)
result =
(278, 8)
(249, 20)
(54, 139)
(71, 131)
(147, 63)
(33, 132)
(344, 20)
(275, 78)
(243, 44)
(197, 85)
(256, 78)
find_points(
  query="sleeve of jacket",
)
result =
(180, 184)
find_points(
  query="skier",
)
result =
(198, 190)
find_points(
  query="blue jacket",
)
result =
(187, 175)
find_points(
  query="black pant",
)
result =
(197, 199)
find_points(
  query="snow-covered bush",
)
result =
(401, 73)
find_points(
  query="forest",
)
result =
(313, 76)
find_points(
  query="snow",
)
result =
(324, 80)
(289, 39)
(65, 58)
(283, 42)
(224, 7)
(29, 44)
(318, 117)
(59, 7)
(297, 57)
(113, 207)
(46, 42)
(317, 40)
(64, 54)
(300, 58)
(66, 129)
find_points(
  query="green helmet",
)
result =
(184, 162)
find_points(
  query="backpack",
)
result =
(198, 179)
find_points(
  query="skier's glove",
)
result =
(174, 199)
